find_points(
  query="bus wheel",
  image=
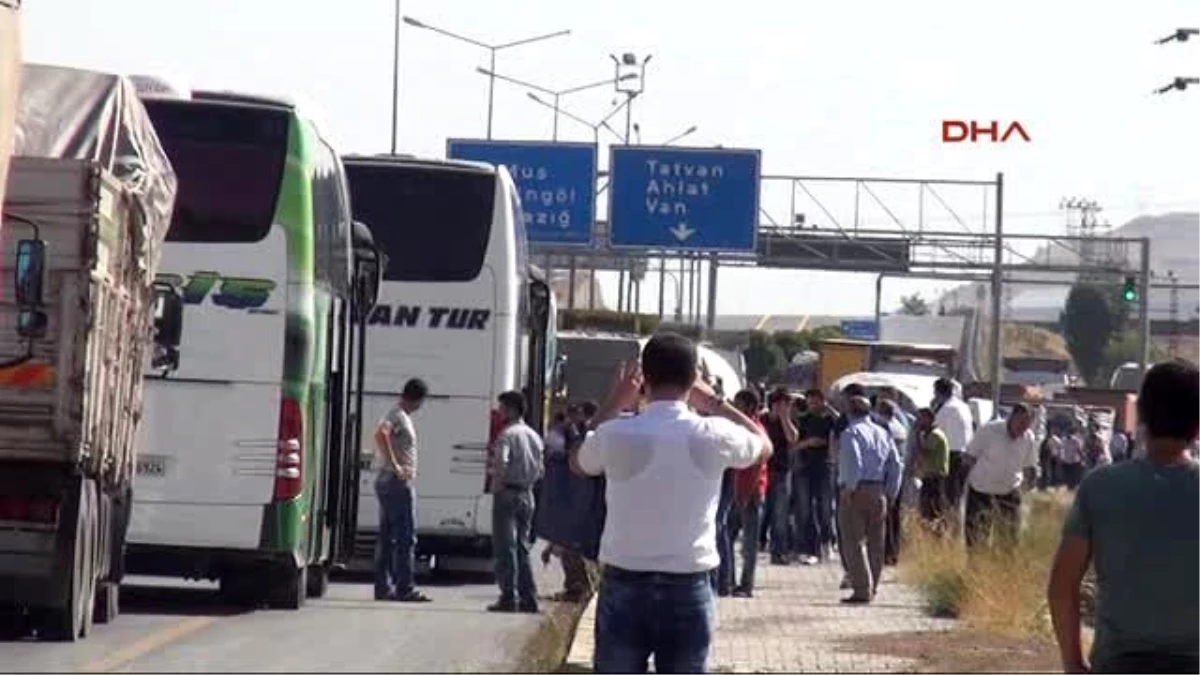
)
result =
(108, 604)
(238, 588)
(318, 581)
(288, 588)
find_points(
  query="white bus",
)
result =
(460, 307)
(247, 461)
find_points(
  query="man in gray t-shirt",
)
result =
(1137, 523)
(516, 464)
(396, 466)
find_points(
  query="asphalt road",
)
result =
(169, 626)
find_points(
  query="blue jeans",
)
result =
(779, 494)
(722, 577)
(751, 515)
(395, 549)
(669, 616)
(512, 521)
(812, 484)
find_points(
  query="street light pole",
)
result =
(492, 49)
(395, 77)
(576, 118)
(491, 93)
(555, 94)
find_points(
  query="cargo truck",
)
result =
(90, 197)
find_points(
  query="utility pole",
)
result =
(1173, 309)
(629, 75)
(1088, 211)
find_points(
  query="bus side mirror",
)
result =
(168, 325)
(30, 272)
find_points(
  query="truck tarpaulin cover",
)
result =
(77, 114)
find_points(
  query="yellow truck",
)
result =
(839, 357)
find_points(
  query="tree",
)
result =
(764, 358)
(914, 305)
(1088, 323)
(1124, 347)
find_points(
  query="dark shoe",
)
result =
(845, 585)
(413, 596)
(856, 600)
(723, 592)
(503, 606)
(383, 597)
(569, 596)
(527, 608)
(776, 560)
(743, 592)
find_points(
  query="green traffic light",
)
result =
(1130, 295)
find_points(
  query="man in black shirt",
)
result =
(781, 429)
(813, 478)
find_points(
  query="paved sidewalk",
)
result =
(795, 623)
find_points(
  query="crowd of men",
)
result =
(659, 484)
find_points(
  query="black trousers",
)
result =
(987, 513)
(891, 546)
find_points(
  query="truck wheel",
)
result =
(288, 588)
(108, 603)
(66, 624)
(318, 581)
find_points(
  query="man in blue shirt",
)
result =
(869, 475)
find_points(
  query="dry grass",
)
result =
(547, 650)
(996, 591)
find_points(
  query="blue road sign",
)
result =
(856, 329)
(556, 182)
(694, 199)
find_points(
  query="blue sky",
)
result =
(857, 87)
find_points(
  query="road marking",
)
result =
(762, 322)
(148, 644)
(803, 323)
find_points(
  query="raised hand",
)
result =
(627, 385)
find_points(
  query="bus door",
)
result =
(367, 276)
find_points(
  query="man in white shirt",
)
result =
(1002, 458)
(953, 416)
(663, 470)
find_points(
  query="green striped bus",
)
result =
(249, 468)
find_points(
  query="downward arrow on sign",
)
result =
(682, 231)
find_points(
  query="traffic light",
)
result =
(1129, 292)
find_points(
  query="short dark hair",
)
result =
(814, 392)
(778, 394)
(886, 407)
(415, 390)
(514, 401)
(926, 412)
(746, 398)
(854, 389)
(943, 386)
(1169, 402)
(669, 360)
(1020, 408)
(590, 408)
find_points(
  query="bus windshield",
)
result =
(433, 223)
(229, 161)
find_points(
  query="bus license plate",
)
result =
(153, 466)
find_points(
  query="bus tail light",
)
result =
(29, 510)
(289, 451)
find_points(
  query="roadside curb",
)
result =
(579, 656)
